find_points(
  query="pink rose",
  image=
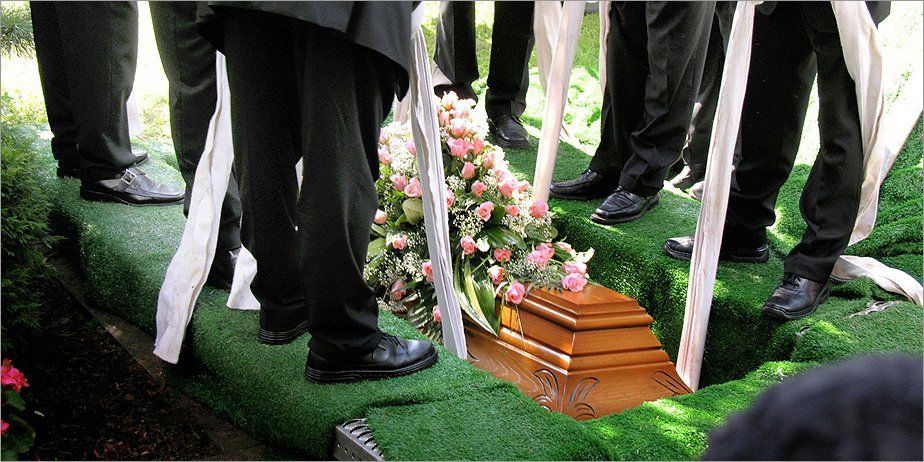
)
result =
(458, 147)
(413, 188)
(538, 258)
(512, 210)
(500, 174)
(575, 267)
(4, 427)
(427, 269)
(508, 187)
(382, 137)
(437, 316)
(380, 217)
(399, 242)
(397, 290)
(539, 209)
(565, 246)
(449, 98)
(515, 293)
(478, 188)
(502, 255)
(411, 147)
(398, 181)
(450, 198)
(574, 282)
(485, 210)
(487, 160)
(548, 251)
(468, 245)
(522, 186)
(12, 377)
(458, 127)
(496, 273)
(477, 146)
(444, 117)
(468, 171)
(384, 156)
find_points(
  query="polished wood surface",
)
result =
(585, 354)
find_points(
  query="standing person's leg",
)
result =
(677, 35)
(266, 124)
(49, 52)
(454, 53)
(189, 62)
(508, 76)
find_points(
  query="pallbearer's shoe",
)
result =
(133, 187)
(623, 206)
(279, 327)
(508, 132)
(222, 273)
(590, 185)
(681, 248)
(795, 297)
(393, 357)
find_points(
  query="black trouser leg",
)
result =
(675, 50)
(189, 62)
(49, 52)
(280, 114)
(779, 84)
(512, 42)
(831, 198)
(454, 53)
(101, 49)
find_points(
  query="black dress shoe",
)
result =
(689, 176)
(221, 275)
(133, 187)
(393, 357)
(67, 171)
(590, 185)
(508, 132)
(623, 206)
(681, 248)
(141, 156)
(795, 297)
(283, 325)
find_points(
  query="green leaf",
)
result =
(468, 300)
(18, 438)
(376, 247)
(379, 230)
(503, 237)
(12, 399)
(413, 210)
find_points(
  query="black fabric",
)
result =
(655, 57)
(300, 92)
(87, 53)
(384, 26)
(189, 62)
(783, 66)
(512, 43)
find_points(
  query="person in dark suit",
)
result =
(189, 62)
(655, 57)
(794, 42)
(86, 53)
(508, 76)
(314, 81)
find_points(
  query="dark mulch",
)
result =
(94, 400)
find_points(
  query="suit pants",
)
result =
(655, 57)
(86, 53)
(189, 62)
(512, 43)
(302, 92)
(788, 46)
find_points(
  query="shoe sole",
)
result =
(272, 337)
(319, 376)
(782, 315)
(728, 258)
(506, 144)
(95, 196)
(609, 221)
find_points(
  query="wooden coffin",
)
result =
(584, 354)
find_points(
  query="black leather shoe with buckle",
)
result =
(133, 187)
(623, 206)
(590, 185)
(508, 131)
(795, 297)
(393, 357)
(221, 275)
(681, 248)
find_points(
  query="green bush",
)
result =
(23, 223)
(16, 29)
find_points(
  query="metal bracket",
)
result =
(353, 440)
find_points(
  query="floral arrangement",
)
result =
(17, 434)
(502, 240)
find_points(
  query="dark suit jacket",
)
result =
(384, 27)
(822, 19)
